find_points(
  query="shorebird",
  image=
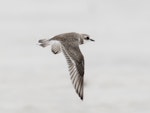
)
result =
(69, 43)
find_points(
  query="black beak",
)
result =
(92, 40)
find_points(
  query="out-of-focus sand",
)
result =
(117, 64)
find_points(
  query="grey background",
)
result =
(117, 69)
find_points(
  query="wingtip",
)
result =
(81, 98)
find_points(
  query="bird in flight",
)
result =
(68, 43)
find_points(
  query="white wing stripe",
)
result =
(72, 73)
(78, 86)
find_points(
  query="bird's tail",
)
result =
(44, 42)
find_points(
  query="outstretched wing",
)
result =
(75, 62)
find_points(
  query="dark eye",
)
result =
(87, 38)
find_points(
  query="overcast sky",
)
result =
(119, 59)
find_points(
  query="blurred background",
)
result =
(117, 64)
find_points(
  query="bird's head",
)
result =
(86, 38)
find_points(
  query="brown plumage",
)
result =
(69, 43)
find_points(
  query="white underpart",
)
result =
(80, 42)
(85, 41)
(55, 46)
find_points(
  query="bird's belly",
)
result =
(55, 47)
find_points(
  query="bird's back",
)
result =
(67, 37)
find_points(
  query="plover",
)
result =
(69, 43)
